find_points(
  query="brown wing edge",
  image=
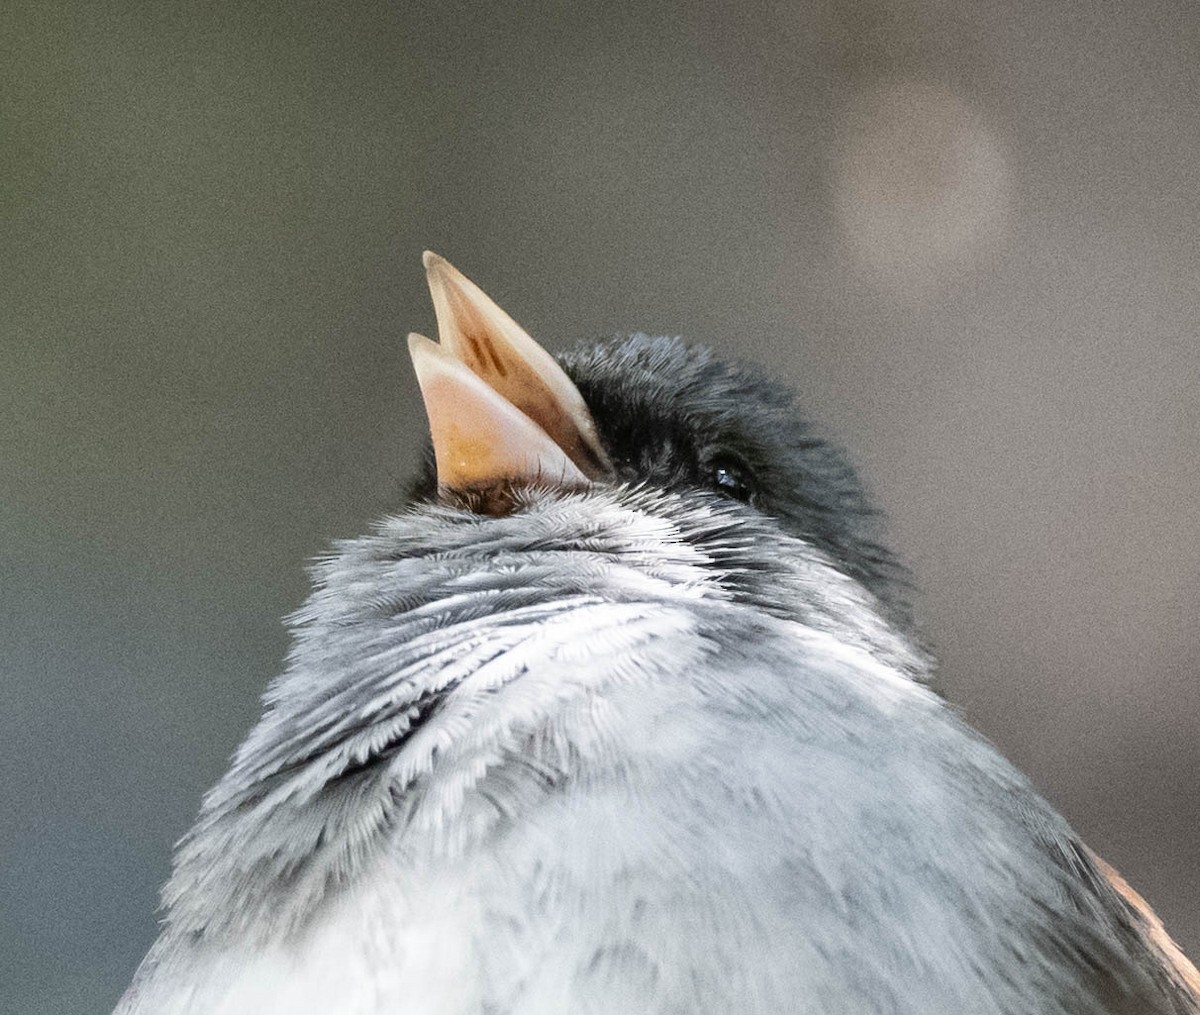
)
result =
(1178, 965)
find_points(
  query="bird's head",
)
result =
(641, 413)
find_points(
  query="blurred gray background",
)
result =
(967, 232)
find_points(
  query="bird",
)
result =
(624, 710)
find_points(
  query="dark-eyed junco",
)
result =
(622, 714)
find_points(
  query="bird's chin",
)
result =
(505, 497)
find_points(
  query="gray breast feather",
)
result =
(713, 830)
(619, 783)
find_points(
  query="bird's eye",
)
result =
(731, 478)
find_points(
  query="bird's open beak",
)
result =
(500, 408)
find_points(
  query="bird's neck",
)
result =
(446, 651)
